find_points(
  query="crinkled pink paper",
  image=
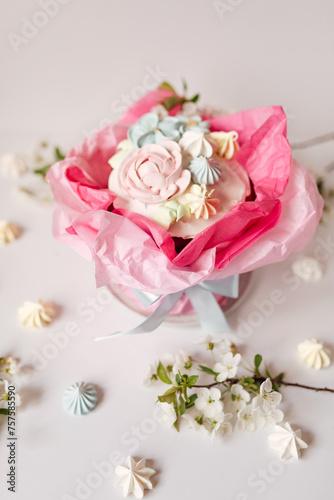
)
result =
(133, 251)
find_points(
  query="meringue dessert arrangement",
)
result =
(176, 172)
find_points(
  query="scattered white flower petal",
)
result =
(250, 419)
(134, 477)
(308, 269)
(36, 314)
(8, 232)
(268, 399)
(239, 396)
(13, 165)
(208, 401)
(287, 442)
(227, 367)
(314, 354)
(168, 417)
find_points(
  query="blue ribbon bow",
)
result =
(210, 314)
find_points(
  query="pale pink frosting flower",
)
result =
(154, 173)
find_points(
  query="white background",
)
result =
(64, 82)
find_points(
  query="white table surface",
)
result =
(63, 84)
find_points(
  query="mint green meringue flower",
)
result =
(170, 212)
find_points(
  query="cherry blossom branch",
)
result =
(275, 381)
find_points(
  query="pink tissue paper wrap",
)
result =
(133, 251)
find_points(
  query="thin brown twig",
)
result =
(280, 382)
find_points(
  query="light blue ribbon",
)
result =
(209, 313)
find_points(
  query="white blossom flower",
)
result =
(308, 269)
(168, 416)
(160, 110)
(227, 367)
(213, 110)
(43, 153)
(4, 388)
(239, 396)
(250, 419)
(182, 363)
(12, 365)
(195, 421)
(189, 109)
(273, 417)
(13, 165)
(219, 343)
(287, 442)
(208, 401)
(220, 425)
(268, 399)
(151, 374)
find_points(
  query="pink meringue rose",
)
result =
(154, 173)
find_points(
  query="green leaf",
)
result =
(268, 373)
(167, 399)
(4, 411)
(162, 374)
(58, 154)
(257, 361)
(185, 86)
(167, 86)
(192, 380)
(171, 101)
(208, 370)
(182, 407)
(42, 171)
(248, 380)
(184, 392)
(178, 379)
(280, 377)
(195, 98)
(191, 401)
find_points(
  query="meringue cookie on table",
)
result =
(36, 314)
(8, 232)
(134, 477)
(314, 354)
(287, 442)
(308, 269)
